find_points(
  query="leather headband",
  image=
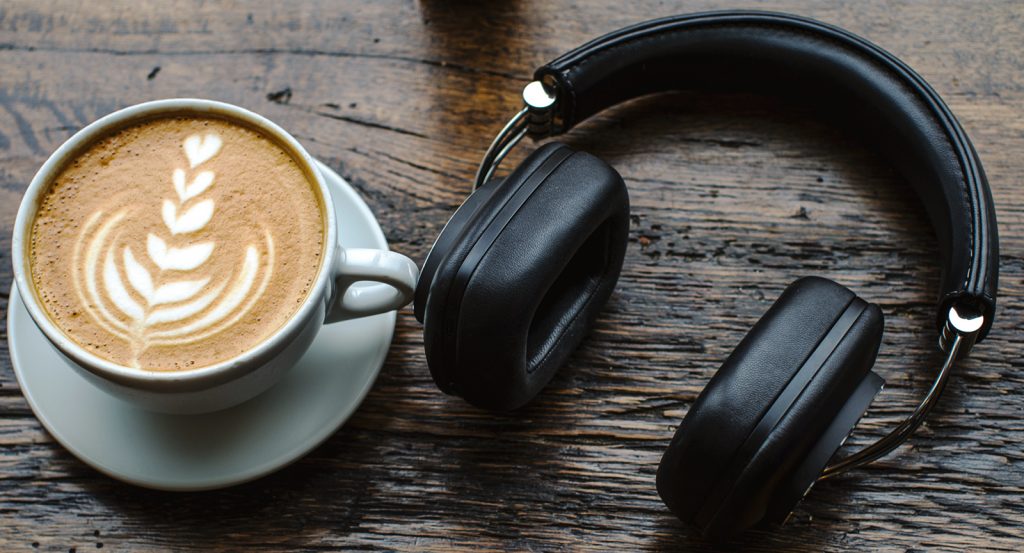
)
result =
(847, 76)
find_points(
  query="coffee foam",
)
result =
(177, 243)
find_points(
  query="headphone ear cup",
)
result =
(527, 278)
(440, 269)
(762, 430)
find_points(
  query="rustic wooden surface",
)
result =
(733, 198)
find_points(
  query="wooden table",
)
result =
(733, 198)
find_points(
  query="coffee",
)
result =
(177, 243)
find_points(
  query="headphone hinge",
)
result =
(965, 322)
(540, 98)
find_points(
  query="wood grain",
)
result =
(733, 198)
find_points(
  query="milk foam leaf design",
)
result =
(177, 259)
(166, 297)
(200, 149)
(199, 185)
(142, 282)
(194, 218)
(86, 288)
(241, 297)
(181, 312)
(230, 302)
(178, 291)
(116, 291)
(138, 276)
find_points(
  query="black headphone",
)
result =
(521, 270)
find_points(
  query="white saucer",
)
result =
(199, 452)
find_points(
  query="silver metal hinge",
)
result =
(534, 119)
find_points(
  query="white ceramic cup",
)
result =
(332, 297)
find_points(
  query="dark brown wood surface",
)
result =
(733, 198)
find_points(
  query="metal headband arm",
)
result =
(958, 336)
(539, 100)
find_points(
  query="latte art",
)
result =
(172, 256)
(169, 296)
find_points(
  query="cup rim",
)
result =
(190, 379)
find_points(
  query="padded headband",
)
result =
(848, 76)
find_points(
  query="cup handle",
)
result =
(395, 283)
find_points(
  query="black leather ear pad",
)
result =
(770, 402)
(521, 286)
(454, 243)
(449, 237)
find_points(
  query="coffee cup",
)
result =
(206, 278)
